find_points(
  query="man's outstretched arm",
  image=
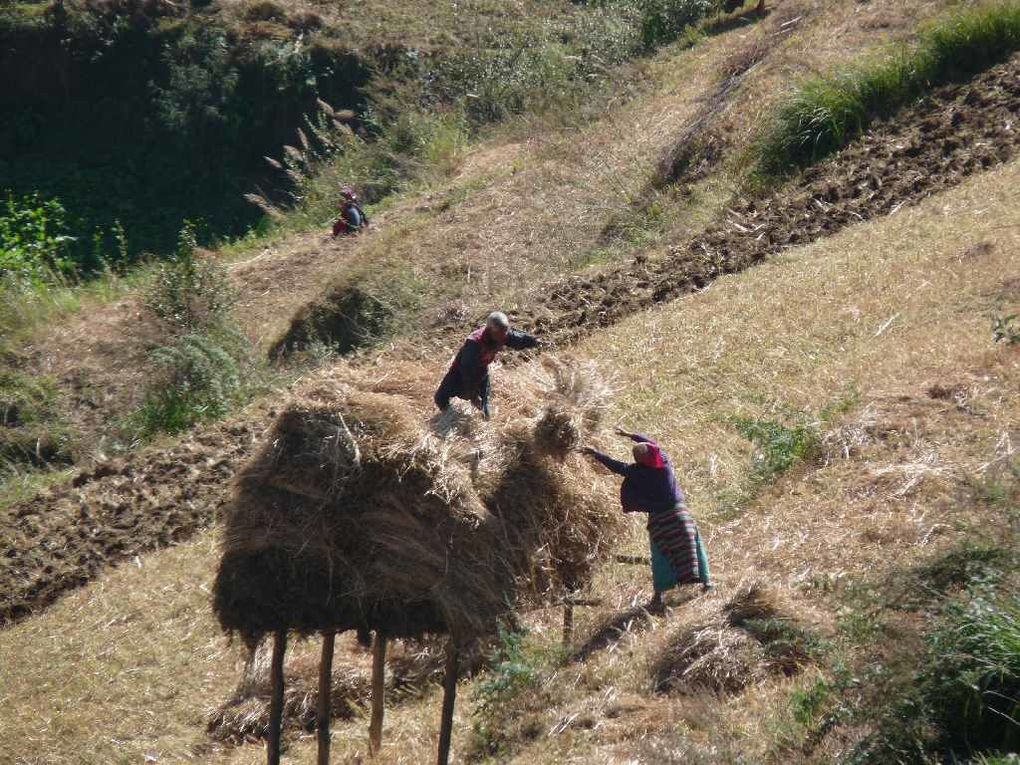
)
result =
(521, 341)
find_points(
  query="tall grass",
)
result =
(26, 306)
(828, 111)
(973, 684)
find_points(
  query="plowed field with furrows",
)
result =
(956, 132)
(64, 536)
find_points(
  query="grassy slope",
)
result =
(128, 665)
(526, 204)
(480, 238)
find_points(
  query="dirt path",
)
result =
(62, 538)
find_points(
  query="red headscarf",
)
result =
(651, 456)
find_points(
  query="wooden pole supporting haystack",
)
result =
(276, 699)
(568, 623)
(633, 560)
(449, 698)
(325, 688)
(378, 693)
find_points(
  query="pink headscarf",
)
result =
(650, 456)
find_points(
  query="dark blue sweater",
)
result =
(645, 489)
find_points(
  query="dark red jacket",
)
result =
(468, 376)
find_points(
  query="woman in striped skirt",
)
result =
(649, 486)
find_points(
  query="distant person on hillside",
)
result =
(649, 486)
(468, 376)
(352, 218)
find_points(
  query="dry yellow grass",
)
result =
(128, 666)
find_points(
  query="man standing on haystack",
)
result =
(468, 376)
(649, 486)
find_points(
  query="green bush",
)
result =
(495, 84)
(190, 292)
(963, 700)
(25, 400)
(780, 446)
(827, 112)
(1006, 329)
(201, 80)
(31, 432)
(197, 379)
(208, 368)
(33, 241)
(973, 682)
(663, 21)
(514, 671)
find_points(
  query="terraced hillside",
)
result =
(829, 362)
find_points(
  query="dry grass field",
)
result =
(542, 196)
(879, 337)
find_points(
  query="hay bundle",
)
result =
(752, 638)
(364, 511)
(709, 657)
(245, 716)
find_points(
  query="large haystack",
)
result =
(364, 510)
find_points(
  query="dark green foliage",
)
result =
(780, 446)
(191, 292)
(973, 683)
(663, 21)
(962, 700)
(827, 112)
(151, 119)
(201, 79)
(1006, 329)
(197, 379)
(34, 242)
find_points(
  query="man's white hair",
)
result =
(498, 319)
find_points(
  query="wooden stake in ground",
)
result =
(378, 693)
(276, 699)
(568, 624)
(449, 698)
(325, 687)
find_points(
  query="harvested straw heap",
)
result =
(366, 510)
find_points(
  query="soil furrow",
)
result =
(63, 537)
(957, 131)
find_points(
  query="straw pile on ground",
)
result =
(366, 511)
(753, 637)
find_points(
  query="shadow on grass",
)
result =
(724, 24)
(615, 627)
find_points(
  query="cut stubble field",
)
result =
(886, 315)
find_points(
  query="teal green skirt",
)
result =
(664, 577)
